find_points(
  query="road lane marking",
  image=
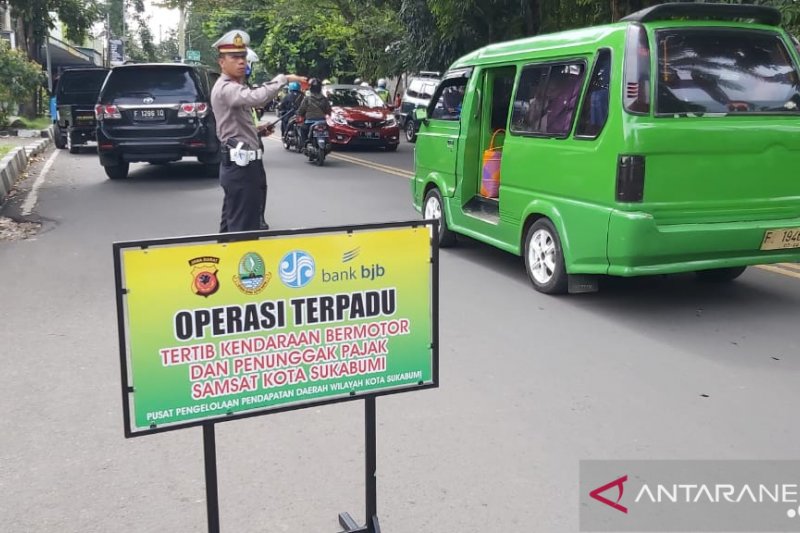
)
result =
(33, 194)
(780, 270)
(366, 163)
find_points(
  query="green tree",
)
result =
(20, 78)
(34, 20)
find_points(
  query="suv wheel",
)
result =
(58, 137)
(118, 171)
(411, 130)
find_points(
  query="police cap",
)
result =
(233, 42)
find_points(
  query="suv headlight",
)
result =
(391, 122)
(339, 119)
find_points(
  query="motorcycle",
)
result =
(318, 142)
(291, 135)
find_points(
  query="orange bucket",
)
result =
(490, 177)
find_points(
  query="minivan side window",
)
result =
(546, 99)
(449, 99)
(594, 111)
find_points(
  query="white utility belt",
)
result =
(244, 157)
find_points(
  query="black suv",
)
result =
(155, 112)
(76, 93)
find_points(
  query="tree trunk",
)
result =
(182, 30)
(532, 12)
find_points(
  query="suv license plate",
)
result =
(781, 239)
(370, 134)
(148, 114)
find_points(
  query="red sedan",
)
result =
(361, 118)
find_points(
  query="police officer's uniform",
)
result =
(241, 171)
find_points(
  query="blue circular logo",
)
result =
(296, 269)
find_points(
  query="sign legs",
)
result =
(371, 485)
(212, 500)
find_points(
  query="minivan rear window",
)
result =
(714, 70)
(174, 83)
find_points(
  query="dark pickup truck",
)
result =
(76, 94)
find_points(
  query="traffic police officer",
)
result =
(241, 170)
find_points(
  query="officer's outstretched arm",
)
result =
(238, 94)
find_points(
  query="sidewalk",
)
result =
(22, 148)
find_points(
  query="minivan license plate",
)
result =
(148, 114)
(781, 239)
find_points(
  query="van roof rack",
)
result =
(760, 14)
(429, 74)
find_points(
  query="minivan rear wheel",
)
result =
(544, 258)
(720, 275)
(117, 172)
(433, 208)
(411, 130)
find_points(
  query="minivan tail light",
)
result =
(98, 111)
(637, 71)
(630, 178)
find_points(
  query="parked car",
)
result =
(76, 93)
(156, 112)
(360, 118)
(417, 95)
(663, 143)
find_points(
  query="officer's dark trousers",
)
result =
(245, 196)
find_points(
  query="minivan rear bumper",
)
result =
(638, 246)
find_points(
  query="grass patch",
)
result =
(4, 149)
(39, 123)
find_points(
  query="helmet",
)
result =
(326, 81)
(294, 87)
(381, 83)
(357, 81)
(252, 57)
(364, 84)
(314, 85)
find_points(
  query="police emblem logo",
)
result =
(238, 40)
(252, 276)
(204, 275)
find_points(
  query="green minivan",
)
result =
(667, 142)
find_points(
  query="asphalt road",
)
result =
(661, 368)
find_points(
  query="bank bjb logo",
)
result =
(204, 275)
(297, 269)
(252, 275)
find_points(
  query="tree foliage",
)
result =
(34, 20)
(20, 78)
(345, 39)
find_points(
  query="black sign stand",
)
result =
(371, 484)
(345, 520)
(212, 497)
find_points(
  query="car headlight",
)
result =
(339, 119)
(391, 123)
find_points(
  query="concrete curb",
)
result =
(14, 164)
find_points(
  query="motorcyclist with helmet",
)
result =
(289, 105)
(382, 91)
(314, 107)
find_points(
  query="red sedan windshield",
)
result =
(355, 98)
